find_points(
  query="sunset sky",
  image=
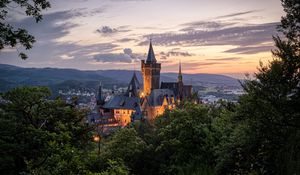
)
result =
(209, 36)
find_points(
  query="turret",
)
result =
(179, 74)
(151, 72)
(180, 83)
(100, 99)
(133, 87)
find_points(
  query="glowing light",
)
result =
(96, 138)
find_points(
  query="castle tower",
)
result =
(180, 83)
(100, 100)
(150, 72)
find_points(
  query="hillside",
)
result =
(13, 76)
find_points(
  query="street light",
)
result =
(97, 139)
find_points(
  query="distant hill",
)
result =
(13, 76)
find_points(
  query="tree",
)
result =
(9, 36)
(290, 23)
(115, 168)
(185, 141)
(127, 146)
(41, 136)
(266, 139)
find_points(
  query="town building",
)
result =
(147, 100)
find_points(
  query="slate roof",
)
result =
(125, 102)
(170, 85)
(187, 89)
(151, 56)
(133, 87)
(157, 96)
(122, 102)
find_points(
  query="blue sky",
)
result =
(215, 36)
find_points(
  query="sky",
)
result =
(217, 36)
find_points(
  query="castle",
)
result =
(145, 101)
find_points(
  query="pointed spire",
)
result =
(151, 56)
(180, 67)
(100, 98)
(133, 87)
(179, 74)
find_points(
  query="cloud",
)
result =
(250, 50)
(224, 59)
(66, 57)
(53, 26)
(48, 50)
(128, 51)
(129, 0)
(165, 55)
(126, 57)
(106, 30)
(237, 14)
(133, 56)
(239, 36)
(124, 40)
(111, 57)
(195, 65)
(206, 25)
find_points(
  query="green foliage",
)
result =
(184, 138)
(266, 137)
(115, 168)
(9, 36)
(126, 145)
(40, 135)
(290, 22)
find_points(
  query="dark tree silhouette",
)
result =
(9, 36)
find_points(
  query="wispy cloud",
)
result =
(206, 25)
(240, 36)
(111, 57)
(224, 59)
(126, 57)
(124, 40)
(237, 14)
(165, 55)
(250, 50)
(106, 30)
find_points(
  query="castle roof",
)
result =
(157, 96)
(151, 56)
(122, 102)
(133, 87)
(174, 86)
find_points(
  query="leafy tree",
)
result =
(9, 36)
(267, 138)
(126, 145)
(41, 136)
(116, 168)
(290, 23)
(185, 140)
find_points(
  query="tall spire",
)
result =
(151, 56)
(100, 99)
(179, 74)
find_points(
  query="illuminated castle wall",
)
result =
(150, 72)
